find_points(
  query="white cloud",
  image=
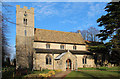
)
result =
(69, 22)
(52, 8)
(45, 8)
(59, 9)
(95, 9)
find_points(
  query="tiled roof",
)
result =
(58, 36)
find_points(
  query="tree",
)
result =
(90, 34)
(8, 61)
(4, 42)
(4, 24)
(85, 34)
(100, 51)
(111, 31)
(110, 21)
(115, 47)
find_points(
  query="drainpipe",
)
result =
(53, 60)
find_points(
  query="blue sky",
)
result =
(60, 16)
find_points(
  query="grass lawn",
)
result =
(101, 68)
(94, 74)
(38, 72)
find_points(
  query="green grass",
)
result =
(38, 72)
(87, 68)
(101, 68)
(93, 74)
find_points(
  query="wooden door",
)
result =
(68, 64)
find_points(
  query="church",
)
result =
(48, 49)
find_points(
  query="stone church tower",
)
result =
(24, 36)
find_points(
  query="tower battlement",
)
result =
(24, 8)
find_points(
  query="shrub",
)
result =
(31, 75)
(45, 75)
(52, 72)
(58, 70)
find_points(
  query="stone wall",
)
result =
(40, 61)
(42, 45)
(24, 52)
(90, 61)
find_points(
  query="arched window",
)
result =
(47, 46)
(25, 21)
(84, 59)
(48, 59)
(61, 46)
(74, 47)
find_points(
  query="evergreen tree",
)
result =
(111, 24)
(110, 21)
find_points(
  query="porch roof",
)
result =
(59, 56)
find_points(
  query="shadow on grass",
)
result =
(86, 76)
(93, 77)
(107, 77)
(115, 72)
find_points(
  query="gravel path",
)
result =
(61, 75)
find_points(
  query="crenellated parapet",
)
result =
(24, 9)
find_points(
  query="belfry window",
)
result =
(25, 21)
(48, 59)
(84, 59)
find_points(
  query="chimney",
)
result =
(78, 31)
